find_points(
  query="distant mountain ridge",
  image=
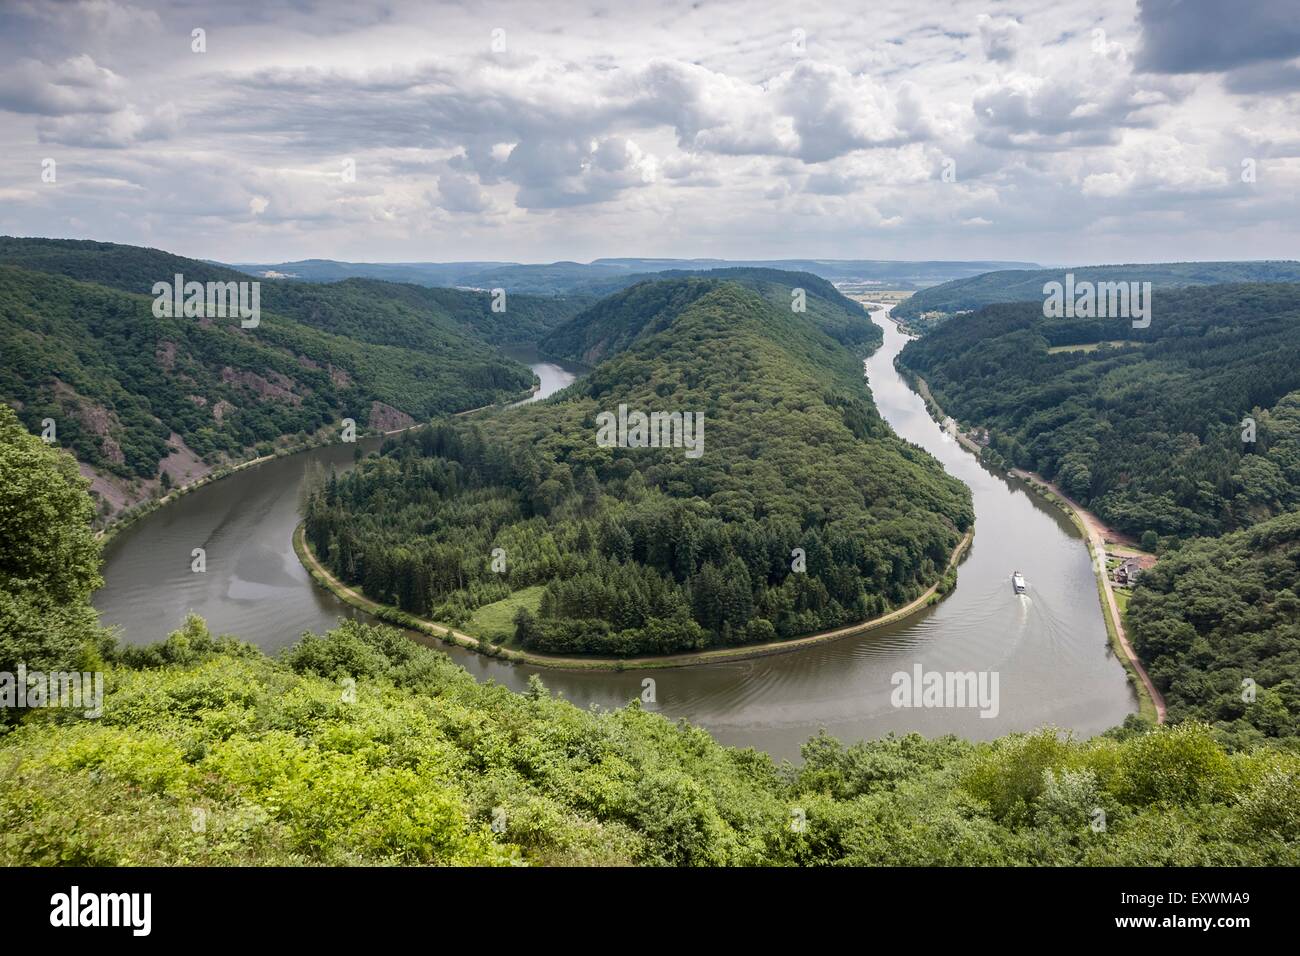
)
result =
(1026, 285)
(397, 311)
(602, 276)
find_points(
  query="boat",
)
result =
(1018, 582)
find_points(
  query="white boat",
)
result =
(1018, 582)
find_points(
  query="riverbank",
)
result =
(145, 508)
(443, 632)
(1151, 704)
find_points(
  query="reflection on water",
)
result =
(1049, 646)
(553, 375)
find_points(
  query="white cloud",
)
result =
(1000, 36)
(75, 85)
(684, 129)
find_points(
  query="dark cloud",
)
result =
(1211, 36)
(76, 85)
(1264, 78)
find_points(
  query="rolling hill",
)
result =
(974, 292)
(1186, 433)
(651, 306)
(369, 309)
(1147, 428)
(627, 550)
(147, 402)
(603, 276)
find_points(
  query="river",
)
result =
(1048, 647)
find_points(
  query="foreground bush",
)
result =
(360, 747)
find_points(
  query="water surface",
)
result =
(1048, 647)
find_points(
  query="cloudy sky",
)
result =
(1071, 131)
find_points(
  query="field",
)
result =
(1090, 347)
(496, 622)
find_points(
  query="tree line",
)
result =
(804, 512)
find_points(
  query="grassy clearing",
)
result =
(1127, 551)
(496, 621)
(1090, 347)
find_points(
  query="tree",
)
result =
(526, 629)
(49, 558)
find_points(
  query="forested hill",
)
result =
(368, 310)
(426, 765)
(604, 276)
(1221, 616)
(1144, 426)
(1016, 285)
(148, 402)
(631, 550)
(1177, 433)
(651, 306)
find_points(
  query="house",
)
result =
(1128, 572)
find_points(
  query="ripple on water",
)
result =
(1051, 650)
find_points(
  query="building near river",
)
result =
(1128, 572)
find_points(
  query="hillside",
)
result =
(632, 550)
(147, 403)
(431, 319)
(651, 306)
(360, 747)
(1144, 426)
(386, 312)
(974, 292)
(1221, 615)
(1177, 433)
(212, 754)
(604, 276)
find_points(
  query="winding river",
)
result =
(1048, 647)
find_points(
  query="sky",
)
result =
(1070, 131)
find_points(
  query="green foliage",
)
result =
(83, 347)
(361, 747)
(1219, 612)
(49, 559)
(1026, 285)
(642, 550)
(653, 305)
(1149, 436)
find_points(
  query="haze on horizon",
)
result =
(1073, 132)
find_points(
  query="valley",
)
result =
(443, 440)
(1057, 668)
